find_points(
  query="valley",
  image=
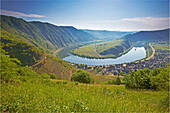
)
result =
(49, 68)
(109, 49)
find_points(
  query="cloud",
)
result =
(149, 20)
(18, 14)
(129, 24)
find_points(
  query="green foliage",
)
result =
(161, 79)
(157, 78)
(82, 77)
(45, 76)
(9, 67)
(38, 95)
(20, 49)
(27, 71)
(117, 81)
(53, 76)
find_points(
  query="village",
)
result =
(126, 68)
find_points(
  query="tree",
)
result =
(157, 79)
(117, 81)
(82, 77)
(161, 80)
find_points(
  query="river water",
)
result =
(136, 53)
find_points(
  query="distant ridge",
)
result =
(107, 35)
(156, 35)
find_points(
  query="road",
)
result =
(54, 54)
(152, 52)
(44, 57)
(94, 49)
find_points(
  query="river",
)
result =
(136, 53)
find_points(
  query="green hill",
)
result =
(48, 36)
(21, 40)
(158, 35)
(27, 53)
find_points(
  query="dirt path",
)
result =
(42, 60)
(54, 54)
(70, 74)
(152, 53)
(94, 49)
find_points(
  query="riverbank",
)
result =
(109, 49)
(104, 57)
(134, 54)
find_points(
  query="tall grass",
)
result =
(38, 95)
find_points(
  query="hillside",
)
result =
(23, 90)
(107, 35)
(103, 50)
(46, 35)
(158, 35)
(27, 53)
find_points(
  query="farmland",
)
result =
(162, 48)
(57, 66)
(113, 48)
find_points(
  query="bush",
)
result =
(82, 77)
(117, 81)
(45, 76)
(161, 81)
(157, 79)
(65, 82)
(76, 83)
(53, 76)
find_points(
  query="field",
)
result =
(102, 50)
(162, 48)
(31, 94)
(103, 79)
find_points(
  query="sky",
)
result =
(113, 15)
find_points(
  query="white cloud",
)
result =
(149, 20)
(18, 14)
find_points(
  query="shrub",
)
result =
(161, 80)
(65, 82)
(117, 81)
(76, 83)
(82, 77)
(53, 76)
(45, 76)
(157, 79)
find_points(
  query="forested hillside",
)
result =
(17, 48)
(159, 35)
(46, 35)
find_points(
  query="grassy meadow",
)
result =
(33, 94)
(103, 79)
